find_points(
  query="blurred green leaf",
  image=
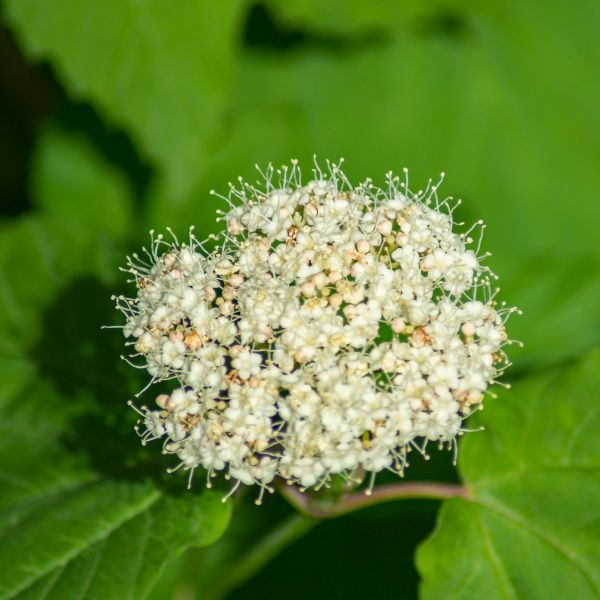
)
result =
(343, 17)
(83, 215)
(483, 102)
(76, 188)
(531, 529)
(159, 69)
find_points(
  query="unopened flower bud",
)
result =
(385, 227)
(363, 246)
(308, 289)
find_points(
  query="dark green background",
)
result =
(166, 100)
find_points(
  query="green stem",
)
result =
(309, 505)
(284, 534)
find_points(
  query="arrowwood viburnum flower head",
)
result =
(327, 330)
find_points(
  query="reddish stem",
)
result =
(310, 505)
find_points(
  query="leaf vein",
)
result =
(498, 566)
(568, 553)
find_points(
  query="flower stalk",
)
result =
(312, 506)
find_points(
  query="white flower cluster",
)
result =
(330, 330)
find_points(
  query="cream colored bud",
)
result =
(234, 226)
(226, 308)
(363, 246)
(234, 351)
(385, 227)
(349, 311)
(308, 289)
(356, 270)
(398, 325)
(229, 293)
(312, 210)
(209, 294)
(401, 239)
(162, 401)
(468, 329)
(142, 346)
(300, 356)
(236, 280)
(176, 336)
(354, 295)
(319, 280)
(335, 300)
(224, 268)
(474, 398)
(261, 445)
(334, 276)
(169, 259)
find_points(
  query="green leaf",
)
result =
(126, 563)
(159, 69)
(343, 17)
(62, 527)
(531, 527)
(84, 210)
(15, 372)
(73, 185)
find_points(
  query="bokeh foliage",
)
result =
(152, 104)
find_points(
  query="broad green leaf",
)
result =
(159, 69)
(83, 210)
(127, 562)
(60, 529)
(342, 17)
(531, 527)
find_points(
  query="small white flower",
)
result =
(247, 364)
